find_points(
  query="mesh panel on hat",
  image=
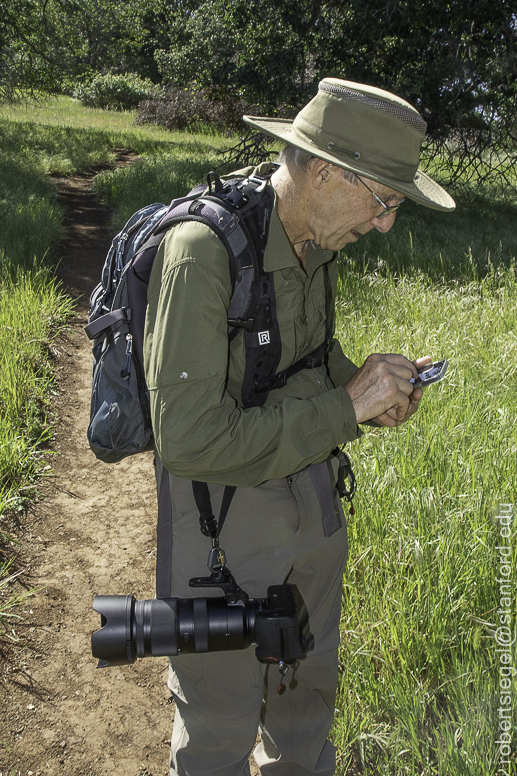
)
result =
(411, 118)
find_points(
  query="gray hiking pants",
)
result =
(273, 534)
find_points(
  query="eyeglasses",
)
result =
(387, 210)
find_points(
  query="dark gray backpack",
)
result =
(238, 211)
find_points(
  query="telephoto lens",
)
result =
(132, 629)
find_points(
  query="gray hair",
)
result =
(294, 157)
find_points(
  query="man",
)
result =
(351, 159)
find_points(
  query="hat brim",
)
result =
(422, 189)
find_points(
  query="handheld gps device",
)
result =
(430, 373)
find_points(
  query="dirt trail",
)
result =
(93, 532)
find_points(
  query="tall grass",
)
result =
(62, 137)
(31, 219)
(472, 241)
(150, 179)
(419, 668)
(31, 312)
(31, 309)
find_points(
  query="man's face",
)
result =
(344, 210)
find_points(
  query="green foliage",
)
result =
(254, 50)
(456, 62)
(47, 46)
(116, 92)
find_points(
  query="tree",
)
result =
(256, 50)
(43, 42)
(455, 60)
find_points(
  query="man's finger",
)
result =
(422, 361)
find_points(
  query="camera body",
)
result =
(132, 629)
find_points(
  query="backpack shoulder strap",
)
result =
(314, 359)
(238, 213)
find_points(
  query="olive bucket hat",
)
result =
(366, 130)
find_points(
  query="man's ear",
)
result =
(320, 173)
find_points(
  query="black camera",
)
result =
(176, 626)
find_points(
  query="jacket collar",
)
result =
(279, 253)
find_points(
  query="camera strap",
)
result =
(163, 534)
(209, 524)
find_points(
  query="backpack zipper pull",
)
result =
(129, 349)
(120, 252)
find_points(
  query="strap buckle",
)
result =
(239, 323)
(259, 183)
(279, 380)
(276, 381)
(208, 525)
(313, 362)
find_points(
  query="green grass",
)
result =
(31, 219)
(62, 137)
(468, 243)
(32, 310)
(419, 670)
(150, 179)
(92, 135)
(67, 112)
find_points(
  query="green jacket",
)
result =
(194, 376)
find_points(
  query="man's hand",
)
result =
(381, 389)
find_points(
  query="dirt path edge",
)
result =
(92, 532)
